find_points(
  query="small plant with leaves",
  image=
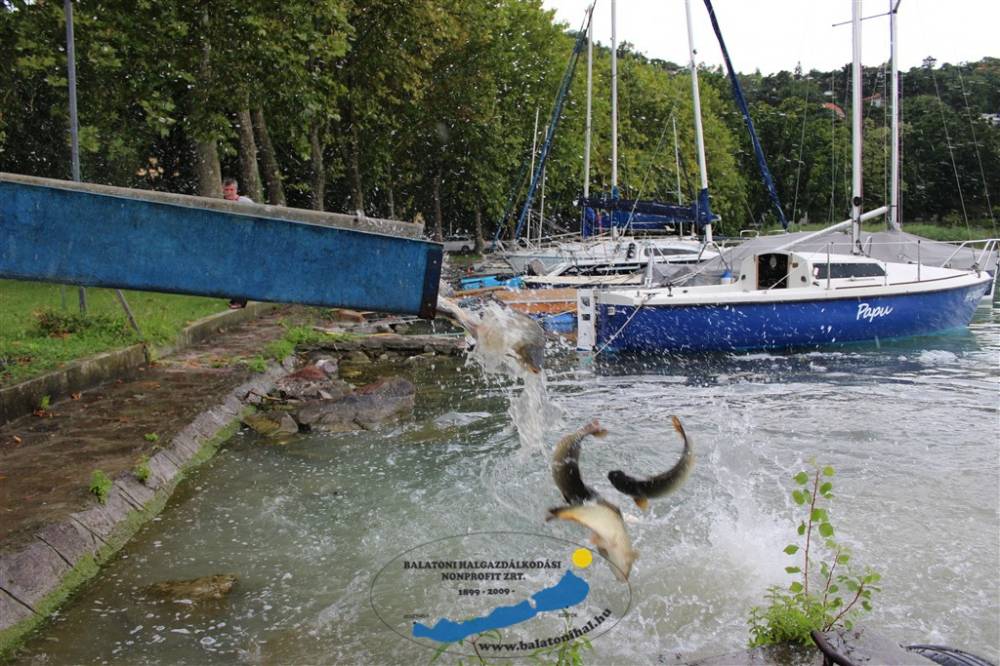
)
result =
(151, 437)
(828, 593)
(141, 470)
(100, 485)
(43, 407)
(566, 653)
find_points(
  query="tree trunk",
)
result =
(318, 171)
(392, 203)
(206, 159)
(357, 193)
(269, 161)
(249, 175)
(209, 170)
(438, 218)
(480, 244)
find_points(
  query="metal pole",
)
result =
(828, 265)
(614, 103)
(699, 135)
(894, 183)
(541, 208)
(73, 121)
(74, 124)
(534, 149)
(587, 131)
(856, 127)
(677, 162)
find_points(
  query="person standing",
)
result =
(231, 192)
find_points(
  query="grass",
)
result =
(938, 232)
(32, 344)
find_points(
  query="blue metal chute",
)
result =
(95, 235)
(741, 102)
(553, 123)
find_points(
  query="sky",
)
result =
(774, 35)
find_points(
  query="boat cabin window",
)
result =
(772, 271)
(852, 270)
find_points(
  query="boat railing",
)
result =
(989, 248)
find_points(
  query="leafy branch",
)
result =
(792, 614)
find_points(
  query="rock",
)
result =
(372, 405)
(287, 426)
(313, 381)
(196, 590)
(262, 424)
(274, 424)
(402, 329)
(357, 357)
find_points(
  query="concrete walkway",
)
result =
(46, 461)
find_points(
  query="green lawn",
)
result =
(938, 232)
(37, 335)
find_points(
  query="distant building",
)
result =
(991, 118)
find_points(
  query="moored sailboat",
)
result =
(782, 297)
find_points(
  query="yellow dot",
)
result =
(582, 557)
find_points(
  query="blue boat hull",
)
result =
(778, 325)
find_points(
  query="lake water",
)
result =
(910, 427)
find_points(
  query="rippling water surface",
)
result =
(911, 428)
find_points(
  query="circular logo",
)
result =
(500, 595)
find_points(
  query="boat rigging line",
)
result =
(975, 144)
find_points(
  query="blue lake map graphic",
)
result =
(569, 591)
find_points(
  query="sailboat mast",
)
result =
(677, 161)
(856, 127)
(894, 182)
(614, 104)
(698, 134)
(534, 151)
(587, 130)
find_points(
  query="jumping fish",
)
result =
(566, 467)
(506, 332)
(607, 532)
(661, 484)
(586, 506)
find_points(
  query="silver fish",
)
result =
(607, 532)
(566, 468)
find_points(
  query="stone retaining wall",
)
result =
(35, 579)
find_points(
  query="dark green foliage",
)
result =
(406, 108)
(61, 323)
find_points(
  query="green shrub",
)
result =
(141, 470)
(100, 485)
(58, 323)
(828, 593)
(151, 437)
(257, 363)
